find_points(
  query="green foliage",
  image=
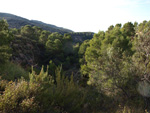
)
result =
(37, 31)
(128, 109)
(26, 52)
(54, 36)
(5, 38)
(52, 68)
(141, 59)
(28, 31)
(112, 63)
(143, 26)
(128, 29)
(11, 71)
(141, 46)
(67, 37)
(108, 61)
(3, 84)
(63, 93)
(42, 78)
(83, 47)
(15, 31)
(82, 50)
(44, 36)
(54, 48)
(66, 94)
(79, 37)
(54, 43)
(61, 50)
(97, 102)
(42, 94)
(5, 53)
(115, 62)
(19, 97)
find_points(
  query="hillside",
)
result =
(50, 72)
(16, 22)
(81, 36)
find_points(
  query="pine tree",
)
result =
(5, 38)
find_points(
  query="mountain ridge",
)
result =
(17, 22)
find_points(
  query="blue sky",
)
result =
(80, 15)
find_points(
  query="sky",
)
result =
(80, 15)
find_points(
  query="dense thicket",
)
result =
(5, 38)
(108, 73)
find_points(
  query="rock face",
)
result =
(26, 52)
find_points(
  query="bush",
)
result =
(42, 94)
(127, 109)
(3, 84)
(63, 95)
(19, 97)
(11, 71)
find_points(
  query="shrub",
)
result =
(61, 95)
(19, 97)
(67, 94)
(127, 109)
(11, 71)
(42, 94)
(3, 84)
